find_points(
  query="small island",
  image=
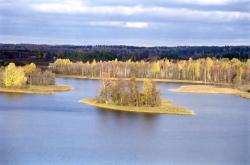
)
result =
(211, 90)
(29, 80)
(122, 95)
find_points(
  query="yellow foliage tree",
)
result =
(197, 69)
(209, 64)
(167, 63)
(156, 68)
(14, 76)
(62, 62)
(93, 63)
(29, 68)
(150, 95)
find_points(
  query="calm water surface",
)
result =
(58, 130)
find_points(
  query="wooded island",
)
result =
(28, 79)
(131, 96)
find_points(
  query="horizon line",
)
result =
(145, 46)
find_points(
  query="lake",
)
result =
(58, 130)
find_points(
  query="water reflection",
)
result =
(13, 97)
(118, 118)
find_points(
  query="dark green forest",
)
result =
(43, 54)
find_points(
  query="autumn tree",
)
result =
(14, 76)
(207, 70)
(28, 69)
(62, 62)
(134, 94)
(150, 95)
(155, 69)
(208, 65)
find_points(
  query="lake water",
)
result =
(58, 130)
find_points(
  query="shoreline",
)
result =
(165, 108)
(209, 89)
(35, 89)
(141, 79)
(225, 86)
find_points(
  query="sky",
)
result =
(126, 22)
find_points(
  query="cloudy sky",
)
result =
(126, 22)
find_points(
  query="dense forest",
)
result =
(43, 54)
(207, 69)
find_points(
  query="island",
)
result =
(164, 108)
(29, 80)
(36, 89)
(122, 95)
(211, 90)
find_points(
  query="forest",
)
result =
(23, 54)
(206, 70)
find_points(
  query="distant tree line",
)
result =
(43, 54)
(18, 77)
(129, 93)
(207, 70)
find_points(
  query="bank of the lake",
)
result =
(164, 108)
(35, 89)
(224, 88)
(137, 79)
(211, 90)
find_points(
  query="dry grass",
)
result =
(165, 108)
(34, 89)
(212, 90)
(138, 79)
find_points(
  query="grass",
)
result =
(212, 90)
(164, 108)
(34, 89)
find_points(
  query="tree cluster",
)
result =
(18, 77)
(129, 93)
(207, 70)
(39, 77)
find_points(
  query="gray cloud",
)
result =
(140, 22)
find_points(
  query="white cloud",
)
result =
(207, 2)
(74, 8)
(120, 24)
(131, 2)
(77, 7)
(136, 24)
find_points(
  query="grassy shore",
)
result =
(137, 79)
(34, 89)
(165, 108)
(212, 90)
